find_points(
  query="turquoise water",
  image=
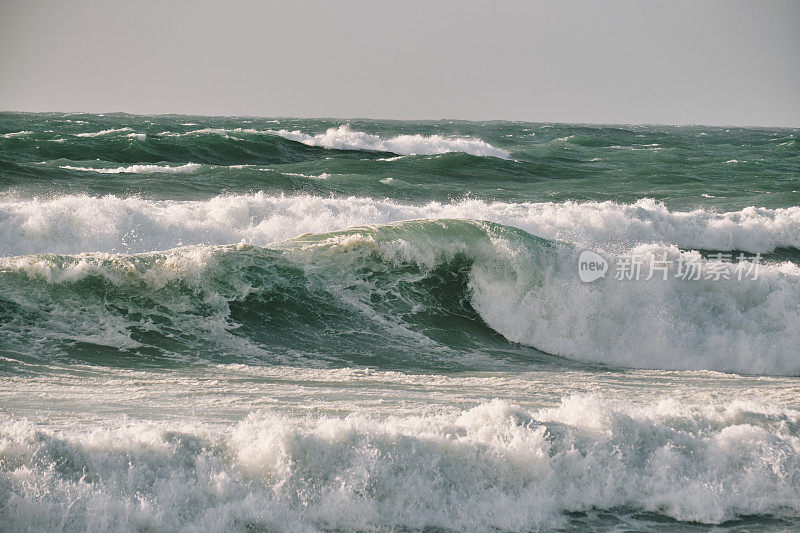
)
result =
(286, 324)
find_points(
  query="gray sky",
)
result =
(677, 62)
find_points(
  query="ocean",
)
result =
(247, 324)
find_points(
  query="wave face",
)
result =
(249, 324)
(405, 281)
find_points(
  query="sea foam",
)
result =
(747, 326)
(496, 466)
(137, 169)
(103, 132)
(344, 138)
(16, 134)
(77, 223)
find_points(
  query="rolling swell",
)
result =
(246, 148)
(414, 294)
(220, 146)
(319, 299)
(685, 168)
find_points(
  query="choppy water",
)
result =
(261, 324)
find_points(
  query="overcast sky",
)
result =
(677, 62)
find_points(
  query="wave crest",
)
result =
(138, 169)
(343, 138)
(405, 280)
(73, 224)
(102, 133)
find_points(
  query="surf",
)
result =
(443, 290)
(496, 465)
(69, 224)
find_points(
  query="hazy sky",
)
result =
(677, 62)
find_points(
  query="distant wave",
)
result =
(103, 132)
(138, 169)
(16, 134)
(343, 138)
(322, 176)
(77, 223)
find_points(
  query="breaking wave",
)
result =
(76, 223)
(496, 466)
(440, 288)
(343, 138)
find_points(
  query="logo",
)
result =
(591, 266)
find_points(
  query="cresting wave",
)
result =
(493, 467)
(413, 282)
(104, 132)
(344, 138)
(77, 223)
(16, 134)
(138, 169)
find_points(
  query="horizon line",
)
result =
(365, 118)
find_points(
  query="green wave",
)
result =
(394, 296)
(420, 294)
(684, 167)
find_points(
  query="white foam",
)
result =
(225, 132)
(16, 134)
(748, 326)
(343, 138)
(77, 223)
(138, 169)
(530, 292)
(217, 131)
(103, 132)
(322, 176)
(492, 467)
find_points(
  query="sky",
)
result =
(712, 62)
